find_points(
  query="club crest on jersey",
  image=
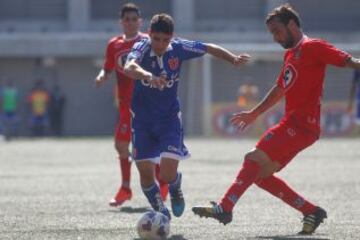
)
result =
(173, 63)
(269, 136)
(289, 77)
(121, 60)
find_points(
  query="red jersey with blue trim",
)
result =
(302, 77)
(116, 54)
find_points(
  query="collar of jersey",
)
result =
(300, 42)
(153, 54)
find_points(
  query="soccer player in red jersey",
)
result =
(116, 54)
(301, 83)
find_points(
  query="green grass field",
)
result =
(59, 189)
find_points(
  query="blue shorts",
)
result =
(154, 140)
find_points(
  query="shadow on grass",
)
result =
(172, 237)
(130, 210)
(291, 237)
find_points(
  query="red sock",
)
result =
(246, 176)
(125, 167)
(157, 175)
(278, 188)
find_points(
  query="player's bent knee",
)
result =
(167, 176)
(257, 156)
(269, 169)
(146, 179)
(251, 156)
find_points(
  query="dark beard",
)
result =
(290, 41)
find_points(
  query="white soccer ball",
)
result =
(153, 226)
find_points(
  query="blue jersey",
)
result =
(151, 104)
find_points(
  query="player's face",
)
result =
(281, 33)
(160, 42)
(130, 23)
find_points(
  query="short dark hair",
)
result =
(129, 7)
(284, 13)
(163, 23)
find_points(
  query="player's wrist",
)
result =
(149, 77)
(233, 60)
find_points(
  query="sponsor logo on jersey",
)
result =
(174, 78)
(289, 77)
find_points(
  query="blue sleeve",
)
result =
(190, 49)
(138, 50)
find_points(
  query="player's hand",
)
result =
(158, 82)
(241, 59)
(243, 119)
(100, 79)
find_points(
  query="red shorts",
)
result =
(123, 128)
(283, 141)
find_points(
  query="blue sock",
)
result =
(176, 184)
(151, 194)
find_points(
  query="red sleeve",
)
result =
(329, 54)
(280, 78)
(109, 63)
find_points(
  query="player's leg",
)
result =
(313, 215)
(122, 142)
(146, 155)
(164, 187)
(149, 186)
(256, 163)
(172, 150)
(170, 175)
(280, 189)
(124, 193)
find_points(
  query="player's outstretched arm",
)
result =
(102, 77)
(222, 53)
(242, 119)
(353, 63)
(135, 71)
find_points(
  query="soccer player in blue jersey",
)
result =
(157, 129)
